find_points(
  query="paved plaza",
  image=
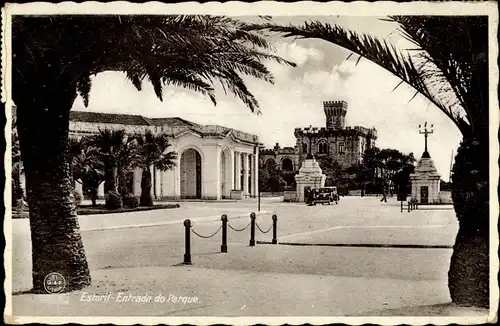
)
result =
(359, 256)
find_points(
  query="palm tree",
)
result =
(53, 59)
(127, 160)
(115, 150)
(449, 67)
(153, 152)
(86, 165)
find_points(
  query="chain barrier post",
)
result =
(401, 206)
(223, 247)
(258, 201)
(252, 229)
(275, 229)
(187, 254)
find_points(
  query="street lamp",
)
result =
(310, 155)
(426, 132)
(255, 149)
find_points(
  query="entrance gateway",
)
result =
(190, 165)
(425, 181)
(424, 194)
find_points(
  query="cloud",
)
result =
(297, 53)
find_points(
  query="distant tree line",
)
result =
(380, 168)
(108, 157)
(274, 179)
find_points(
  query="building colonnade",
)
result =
(208, 172)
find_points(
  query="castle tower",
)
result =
(335, 112)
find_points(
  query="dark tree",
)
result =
(270, 178)
(153, 152)
(86, 165)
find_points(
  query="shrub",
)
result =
(130, 201)
(19, 206)
(77, 198)
(343, 190)
(113, 200)
(17, 194)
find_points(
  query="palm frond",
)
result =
(135, 78)
(419, 72)
(189, 51)
(154, 150)
(453, 45)
(83, 86)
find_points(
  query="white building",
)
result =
(211, 160)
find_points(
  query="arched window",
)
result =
(304, 148)
(341, 148)
(287, 164)
(322, 149)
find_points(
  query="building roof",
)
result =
(173, 122)
(174, 125)
(111, 118)
(128, 119)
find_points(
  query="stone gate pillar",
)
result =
(310, 175)
(426, 177)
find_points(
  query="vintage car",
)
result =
(335, 194)
(325, 195)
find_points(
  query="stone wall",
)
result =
(278, 159)
(290, 196)
(352, 154)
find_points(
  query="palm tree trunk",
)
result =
(17, 189)
(43, 126)
(110, 178)
(468, 276)
(93, 196)
(123, 184)
(146, 199)
(110, 183)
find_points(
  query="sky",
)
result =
(323, 73)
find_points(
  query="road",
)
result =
(115, 241)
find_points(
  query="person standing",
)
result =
(384, 194)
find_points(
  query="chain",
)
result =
(238, 230)
(206, 237)
(258, 227)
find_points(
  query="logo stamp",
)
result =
(54, 282)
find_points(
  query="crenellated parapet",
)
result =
(335, 104)
(287, 150)
(335, 112)
(366, 132)
(310, 131)
(326, 132)
(278, 150)
(267, 151)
